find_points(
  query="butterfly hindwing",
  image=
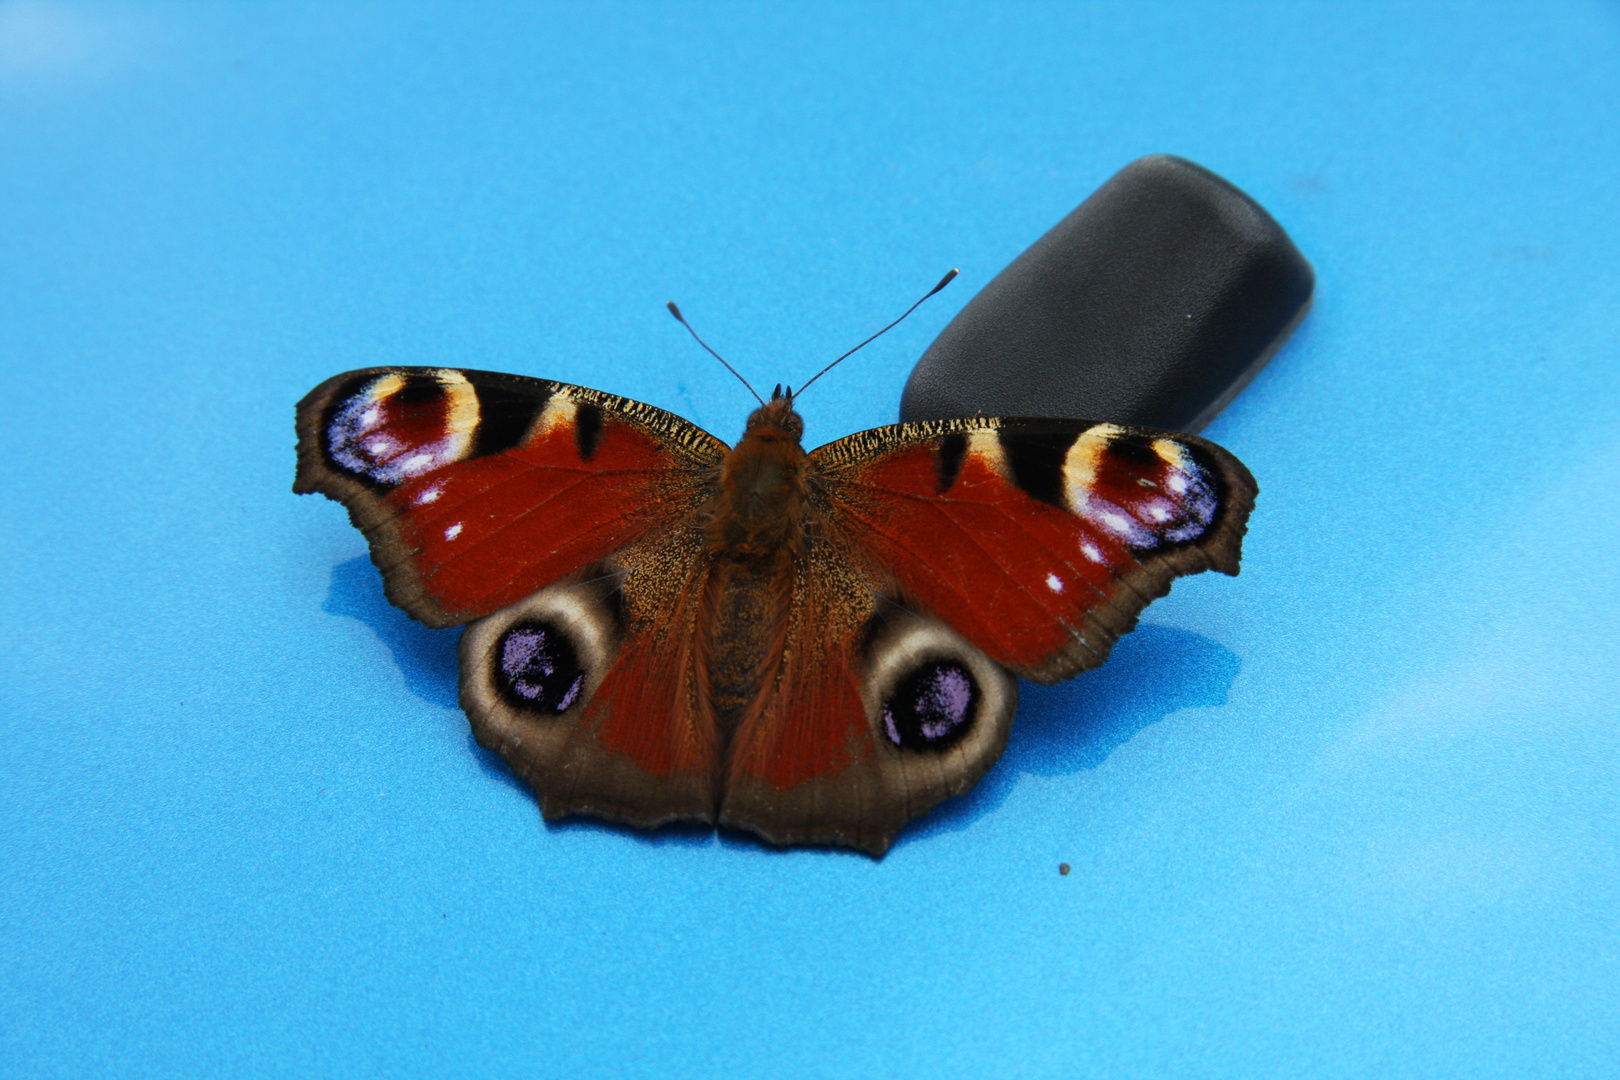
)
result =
(593, 697)
(875, 715)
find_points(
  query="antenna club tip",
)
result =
(673, 310)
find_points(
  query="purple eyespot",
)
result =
(537, 668)
(932, 708)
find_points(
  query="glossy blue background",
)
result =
(1351, 814)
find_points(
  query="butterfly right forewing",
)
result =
(1040, 541)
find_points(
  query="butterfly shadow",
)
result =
(426, 658)
(1074, 726)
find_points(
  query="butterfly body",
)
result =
(754, 541)
(814, 647)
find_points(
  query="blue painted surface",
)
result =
(1351, 814)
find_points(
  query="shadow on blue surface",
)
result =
(1060, 730)
(426, 657)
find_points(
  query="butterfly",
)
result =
(813, 647)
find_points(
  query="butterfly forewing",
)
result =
(1039, 540)
(476, 489)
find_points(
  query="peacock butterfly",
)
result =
(814, 647)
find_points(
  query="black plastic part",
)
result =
(1153, 303)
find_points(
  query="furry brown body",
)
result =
(756, 538)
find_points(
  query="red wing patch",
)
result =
(651, 707)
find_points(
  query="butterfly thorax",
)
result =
(758, 513)
(755, 537)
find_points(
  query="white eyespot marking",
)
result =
(453, 531)
(362, 437)
(1177, 483)
(1054, 583)
(1159, 511)
(429, 494)
(1119, 521)
(1091, 552)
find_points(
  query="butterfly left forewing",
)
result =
(476, 489)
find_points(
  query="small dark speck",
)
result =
(1063, 868)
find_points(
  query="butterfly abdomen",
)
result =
(744, 628)
(754, 540)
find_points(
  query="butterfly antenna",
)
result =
(675, 311)
(944, 281)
